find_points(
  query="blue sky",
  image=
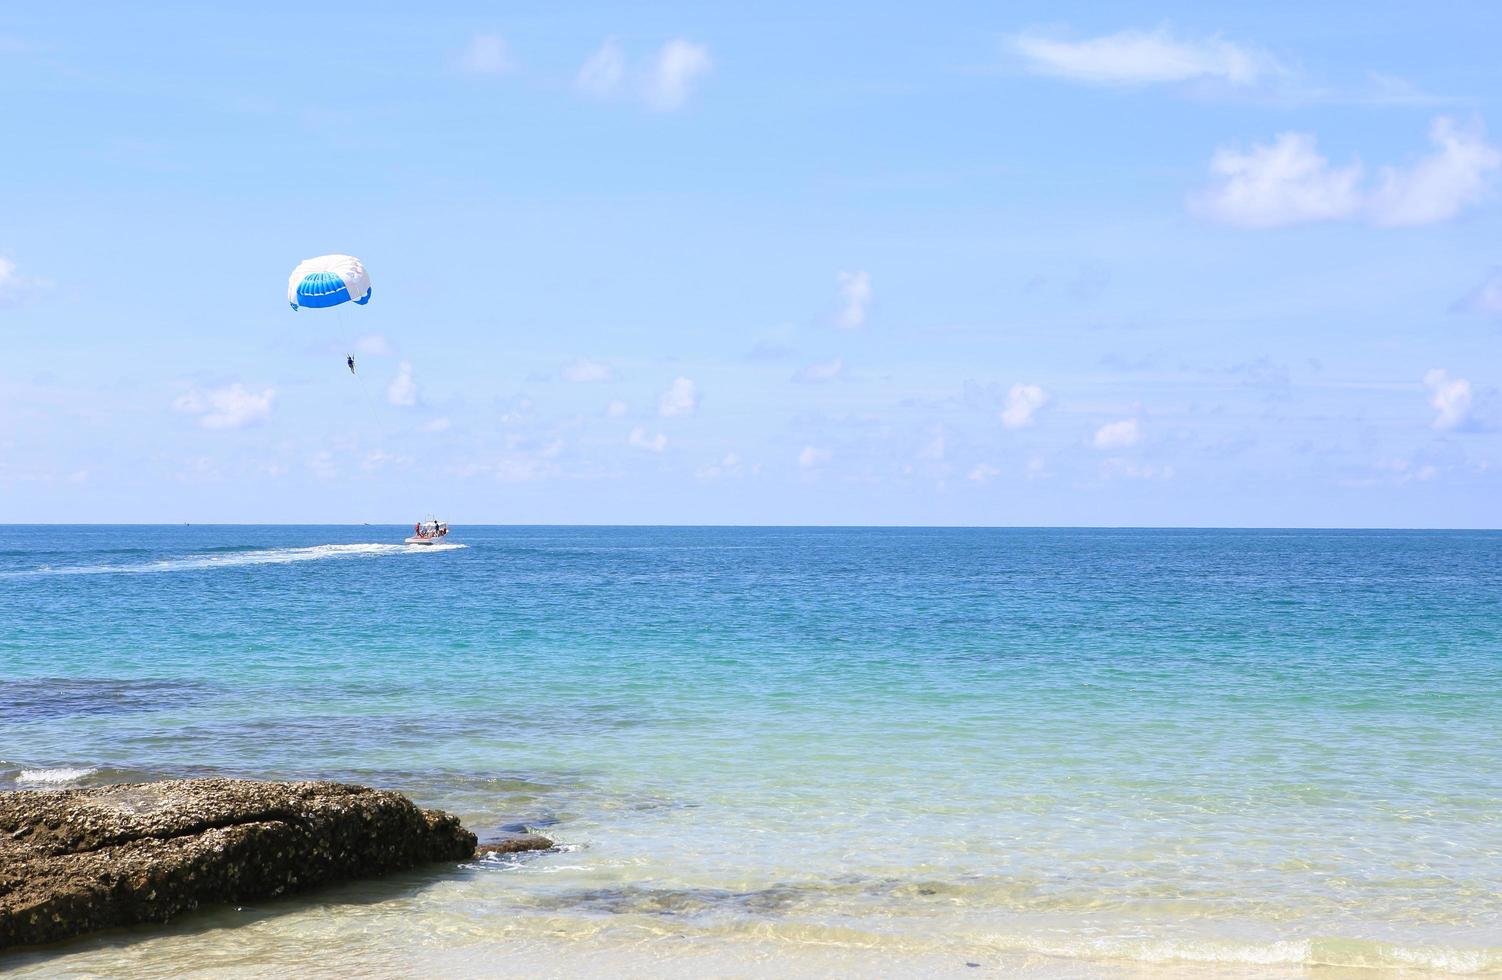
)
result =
(952, 264)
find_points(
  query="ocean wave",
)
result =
(219, 558)
(60, 776)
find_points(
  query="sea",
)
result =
(786, 752)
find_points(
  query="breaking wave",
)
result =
(53, 777)
(236, 559)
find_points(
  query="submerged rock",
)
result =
(72, 861)
(514, 845)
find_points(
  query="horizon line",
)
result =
(770, 526)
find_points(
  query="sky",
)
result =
(975, 264)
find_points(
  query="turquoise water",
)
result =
(1055, 750)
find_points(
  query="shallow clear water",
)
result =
(806, 750)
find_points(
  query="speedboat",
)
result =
(428, 532)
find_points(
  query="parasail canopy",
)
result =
(328, 281)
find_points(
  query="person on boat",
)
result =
(350, 360)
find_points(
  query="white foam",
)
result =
(1302, 953)
(53, 777)
(259, 556)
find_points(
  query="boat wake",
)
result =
(239, 559)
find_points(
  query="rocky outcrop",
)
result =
(72, 861)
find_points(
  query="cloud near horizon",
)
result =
(1450, 399)
(983, 473)
(1290, 182)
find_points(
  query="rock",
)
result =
(514, 845)
(72, 861)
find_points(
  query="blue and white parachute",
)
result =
(328, 281)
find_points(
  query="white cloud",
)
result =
(1458, 173)
(486, 54)
(812, 457)
(1290, 182)
(1036, 468)
(616, 409)
(372, 345)
(654, 443)
(984, 473)
(525, 460)
(379, 458)
(819, 373)
(1397, 472)
(729, 465)
(402, 390)
(936, 445)
(855, 294)
(1486, 298)
(1451, 399)
(436, 425)
(230, 407)
(677, 67)
(1117, 435)
(602, 72)
(322, 465)
(200, 468)
(665, 83)
(1136, 57)
(523, 469)
(1117, 468)
(15, 287)
(517, 412)
(581, 371)
(681, 398)
(1286, 183)
(1023, 401)
(9, 280)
